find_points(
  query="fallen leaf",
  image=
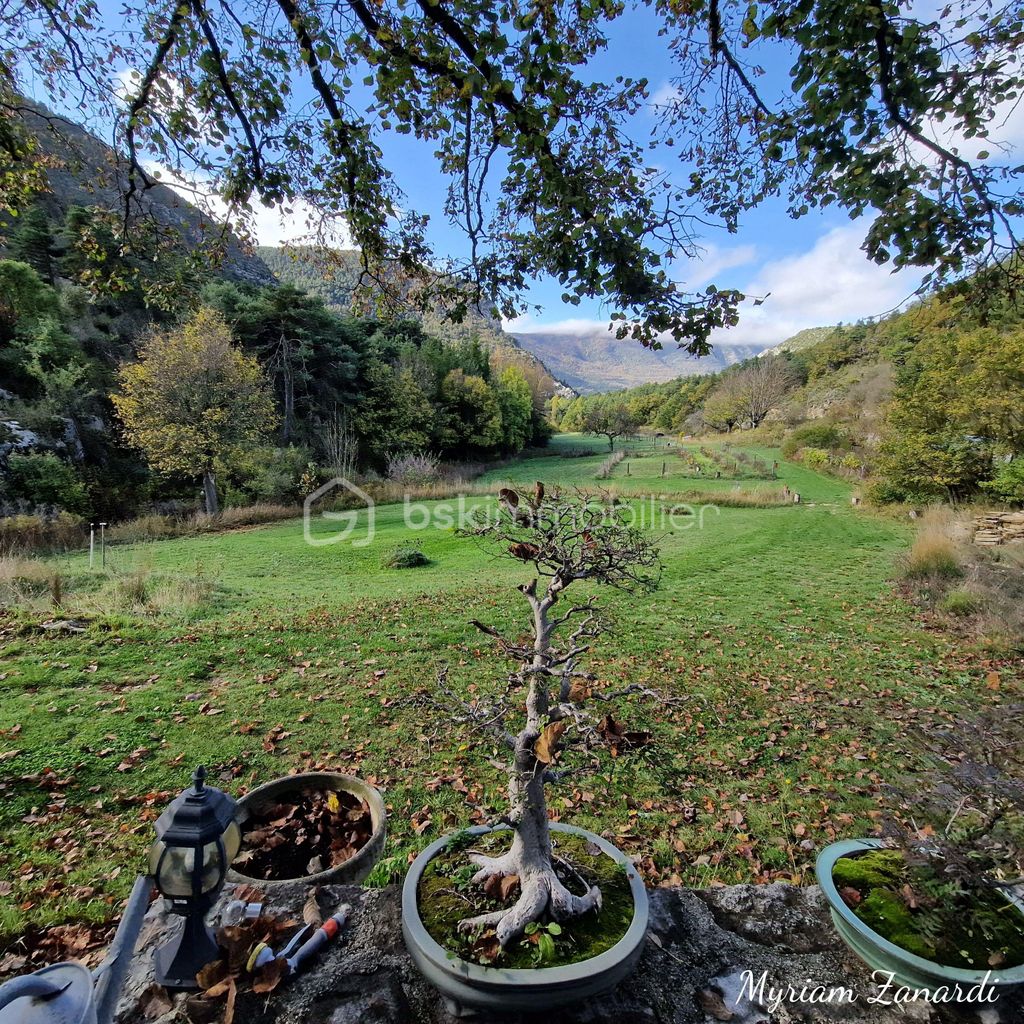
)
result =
(154, 1002)
(311, 908)
(547, 743)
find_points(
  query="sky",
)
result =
(811, 270)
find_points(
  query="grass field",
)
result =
(799, 671)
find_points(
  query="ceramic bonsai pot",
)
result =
(886, 957)
(352, 871)
(524, 990)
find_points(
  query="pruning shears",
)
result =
(305, 943)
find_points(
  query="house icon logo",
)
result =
(360, 513)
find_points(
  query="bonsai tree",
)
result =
(569, 539)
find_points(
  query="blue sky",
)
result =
(812, 267)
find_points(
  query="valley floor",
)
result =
(801, 678)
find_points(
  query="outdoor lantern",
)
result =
(196, 840)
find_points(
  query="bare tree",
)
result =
(340, 445)
(763, 383)
(567, 538)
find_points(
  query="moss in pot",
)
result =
(529, 900)
(447, 892)
(937, 900)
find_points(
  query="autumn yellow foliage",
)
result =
(193, 397)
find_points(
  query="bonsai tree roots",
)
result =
(568, 539)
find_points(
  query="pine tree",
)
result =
(32, 242)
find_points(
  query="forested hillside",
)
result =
(349, 392)
(334, 279)
(924, 404)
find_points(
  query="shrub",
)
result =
(934, 553)
(414, 468)
(43, 479)
(1008, 482)
(406, 556)
(816, 458)
(960, 603)
(267, 474)
(814, 435)
(21, 533)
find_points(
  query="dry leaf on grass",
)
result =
(619, 738)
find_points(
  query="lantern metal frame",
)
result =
(200, 817)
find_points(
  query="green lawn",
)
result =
(796, 670)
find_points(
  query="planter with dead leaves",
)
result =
(318, 827)
(523, 896)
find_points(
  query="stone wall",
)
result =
(700, 943)
(999, 528)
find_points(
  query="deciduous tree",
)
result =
(887, 110)
(541, 714)
(610, 420)
(194, 398)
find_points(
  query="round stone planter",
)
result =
(522, 991)
(356, 868)
(886, 957)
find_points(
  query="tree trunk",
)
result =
(289, 404)
(611, 442)
(530, 855)
(210, 492)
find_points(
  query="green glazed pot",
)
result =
(530, 990)
(886, 957)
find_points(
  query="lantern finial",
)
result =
(199, 778)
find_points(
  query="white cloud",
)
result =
(715, 260)
(266, 225)
(666, 95)
(831, 282)
(529, 324)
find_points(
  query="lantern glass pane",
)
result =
(213, 867)
(174, 876)
(154, 856)
(232, 841)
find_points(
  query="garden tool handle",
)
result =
(29, 986)
(327, 931)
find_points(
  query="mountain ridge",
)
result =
(595, 361)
